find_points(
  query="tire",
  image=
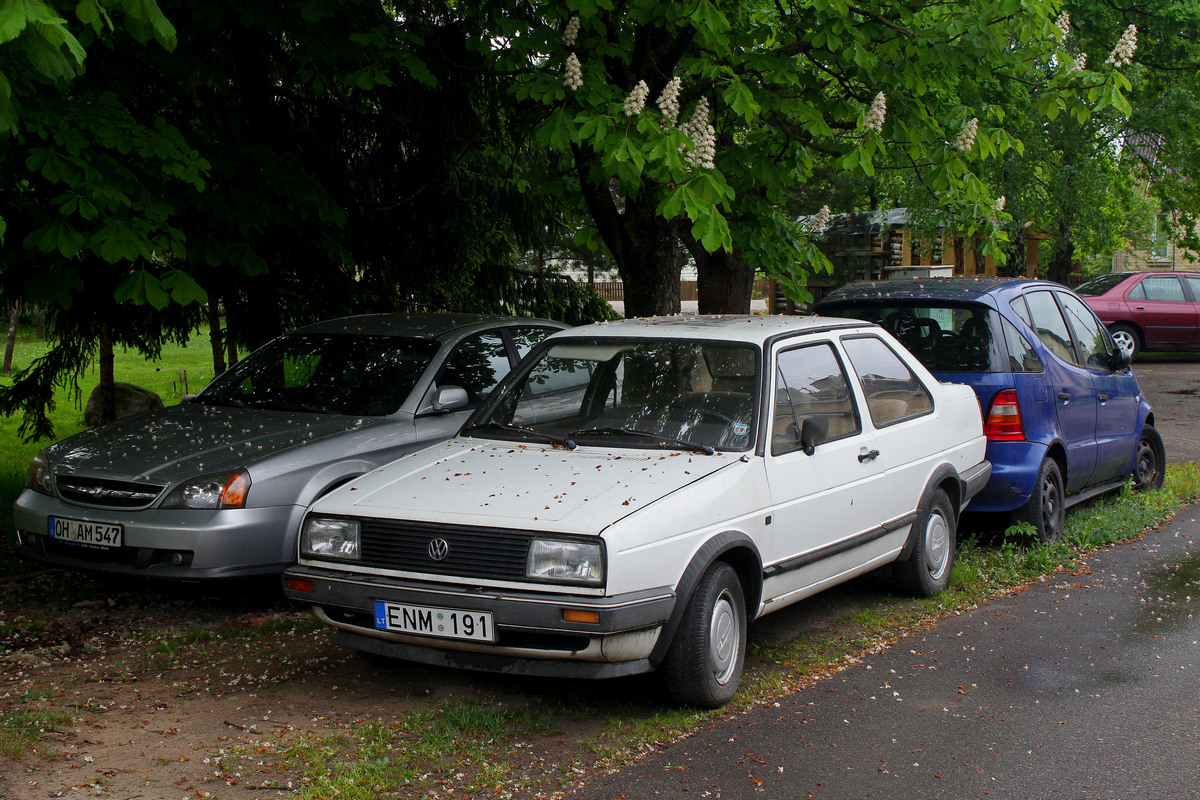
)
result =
(1045, 510)
(927, 570)
(1127, 339)
(704, 662)
(1151, 465)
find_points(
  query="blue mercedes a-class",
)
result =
(1063, 412)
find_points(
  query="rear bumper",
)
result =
(1014, 472)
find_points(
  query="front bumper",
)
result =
(170, 544)
(532, 636)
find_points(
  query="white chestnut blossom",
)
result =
(1000, 201)
(636, 100)
(571, 31)
(668, 101)
(1122, 54)
(876, 114)
(1063, 23)
(819, 222)
(703, 136)
(573, 73)
(1080, 63)
(966, 137)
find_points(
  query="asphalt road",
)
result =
(1082, 687)
(1172, 384)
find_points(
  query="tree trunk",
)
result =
(107, 392)
(214, 334)
(1061, 264)
(725, 281)
(11, 344)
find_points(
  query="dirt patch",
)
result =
(168, 693)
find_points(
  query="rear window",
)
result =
(946, 337)
(1101, 283)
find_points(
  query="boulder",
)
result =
(129, 399)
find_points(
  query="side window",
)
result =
(1163, 288)
(893, 393)
(525, 338)
(812, 387)
(1021, 355)
(477, 365)
(1050, 326)
(1193, 284)
(1097, 344)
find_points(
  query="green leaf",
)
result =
(142, 288)
(713, 231)
(183, 287)
(12, 19)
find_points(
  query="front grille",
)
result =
(492, 553)
(106, 493)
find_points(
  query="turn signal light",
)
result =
(579, 615)
(299, 585)
(1003, 423)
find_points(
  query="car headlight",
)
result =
(329, 538)
(221, 490)
(38, 477)
(565, 561)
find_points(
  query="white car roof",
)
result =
(751, 328)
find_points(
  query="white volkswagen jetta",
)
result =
(635, 492)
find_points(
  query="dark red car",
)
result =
(1147, 310)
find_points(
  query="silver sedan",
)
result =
(215, 487)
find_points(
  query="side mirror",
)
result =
(1121, 360)
(449, 398)
(812, 431)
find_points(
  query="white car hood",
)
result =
(518, 485)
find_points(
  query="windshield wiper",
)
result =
(506, 426)
(697, 448)
(217, 400)
(282, 405)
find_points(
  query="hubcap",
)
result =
(1124, 340)
(1147, 463)
(723, 638)
(937, 546)
(1050, 508)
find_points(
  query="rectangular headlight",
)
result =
(565, 561)
(322, 537)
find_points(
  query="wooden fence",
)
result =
(615, 290)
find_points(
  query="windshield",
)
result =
(672, 394)
(350, 374)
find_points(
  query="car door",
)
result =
(1070, 384)
(896, 402)
(1118, 395)
(476, 364)
(1161, 307)
(822, 469)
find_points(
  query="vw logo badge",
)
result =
(438, 549)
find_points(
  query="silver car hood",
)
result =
(192, 439)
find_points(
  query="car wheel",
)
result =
(1127, 338)
(1045, 509)
(1151, 465)
(704, 663)
(927, 570)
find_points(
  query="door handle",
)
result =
(1064, 395)
(1103, 398)
(870, 455)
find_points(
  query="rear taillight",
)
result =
(1003, 423)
